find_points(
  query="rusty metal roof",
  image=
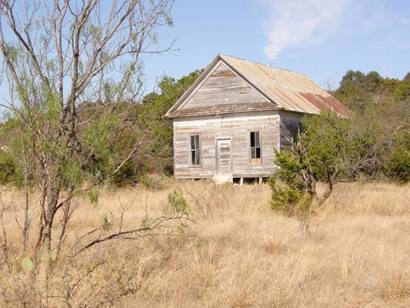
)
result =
(289, 90)
(286, 90)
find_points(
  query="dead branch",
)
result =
(147, 229)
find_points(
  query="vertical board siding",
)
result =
(238, 129)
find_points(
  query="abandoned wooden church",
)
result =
(228, 124)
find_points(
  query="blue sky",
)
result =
(321, 38)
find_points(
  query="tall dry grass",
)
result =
(236, 253)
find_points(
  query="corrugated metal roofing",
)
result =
(285, 89)
(289, 90)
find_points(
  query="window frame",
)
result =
(198, 150)
(255, 161)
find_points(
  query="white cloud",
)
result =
(299, 21)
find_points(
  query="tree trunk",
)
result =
(44, 246)
(329, 189)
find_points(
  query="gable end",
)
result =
(220, 90)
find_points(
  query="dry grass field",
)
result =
(235, 253)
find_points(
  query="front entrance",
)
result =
(223, 157)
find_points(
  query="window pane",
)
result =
(258, 152)
(193, 157)
(252, 139)
(253, 153)
(197, 142)
(257, 140)
(197, 158)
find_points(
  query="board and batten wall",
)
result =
(235, 127)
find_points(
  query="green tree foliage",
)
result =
(154, 106)
(11, 153)
(9, 169)
(324, 138)
(398, 164)
(115, 131)
(288, 187)
(351, 90)
(320, 153)
(357, 89)
(382, 117)
(331, 149)
(177, 202)
(402, 91)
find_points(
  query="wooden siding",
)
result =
(222, 86)
(237, 128)
(224, 109)
(290, 123)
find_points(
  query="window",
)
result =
(255, 145)
(195, 150)
(289, 131)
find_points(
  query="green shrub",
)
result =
(287, 184)
(331, 149)
(177, 201)
(168, 170)
(324, 138)
(9, 171)
(328, 149)
(93, 197)
(284, 197)
(128, 174)
(398, 166)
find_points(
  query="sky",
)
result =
(321, 38)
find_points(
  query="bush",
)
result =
(9, 171)
(169, 170)
(129, 174)
(331, 149)
(324, 139)
(177, 202)
(398, 166)
(288, 189)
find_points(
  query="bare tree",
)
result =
(58, 55)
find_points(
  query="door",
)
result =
(223, 156)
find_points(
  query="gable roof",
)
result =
(283, 89)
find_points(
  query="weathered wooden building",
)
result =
(228, 124)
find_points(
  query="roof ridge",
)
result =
(263, 64)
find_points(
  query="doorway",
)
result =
(223, 156)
